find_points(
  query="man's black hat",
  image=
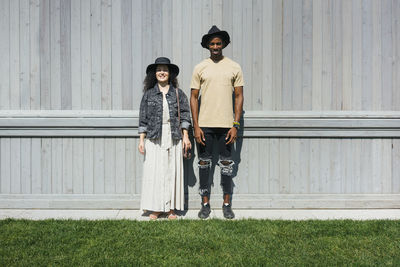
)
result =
(163, 61)
(213, 32)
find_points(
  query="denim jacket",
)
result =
(151, 110)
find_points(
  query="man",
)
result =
(216, 78)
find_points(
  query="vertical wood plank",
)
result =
(325, 155)
(335, 175)
(236, 36)
(277, 54)
(347, 163)
(88, 165)
(337, 55)
(109, 165)
(15, 157)
(267, 63)
(76, 54)
(126, 55)
(5, 54)
(24, 47)
(315, 169)
(67, 166)
(120, 177)
(138, 70)
(78, 166)
(264, 166)
(34, 52)
(357, 55)
(387, 50)
(257, 63)
(186, 63)
(116, 55)
(98, 166)
(56, 165)
(206, 21)
(376, 55)
(147, 42)
(367, 58)
(386, 169)
(317, 55)
(347, 38)
(106, 59)
(366, 166)
(139, 168)
(396, 55)
(253, 152)
(5, 165)
(65, 54)
(227, 22)
(96, 53)
(246, 61)
(297, 54)
(167, 28)
(284, 166)
(15, 52)
(130, 173)
(274, 157)
(36, 165)
(52, 98)
(294, 167)
(307, 64)
(376, 155)
(357, 150)
(326, 70)
(395, 166)
(26, 154)
(304, 159)
(46, 165)
(86, 53)
(216, 9)
(197, 32)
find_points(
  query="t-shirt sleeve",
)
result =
(195, 82)
(238, 80)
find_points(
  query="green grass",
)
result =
(187, 242)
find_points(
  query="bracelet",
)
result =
(236, 124)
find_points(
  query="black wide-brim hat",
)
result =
(163, 61)
(213, 32)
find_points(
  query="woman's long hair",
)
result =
(151, 80)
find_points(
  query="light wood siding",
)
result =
(295, 55)
(322, 99)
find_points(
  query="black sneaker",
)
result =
(204, 211)
(227, 210)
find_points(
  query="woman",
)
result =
(162, 137)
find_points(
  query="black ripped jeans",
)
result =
(225, 162)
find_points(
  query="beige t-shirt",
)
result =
(216, 82)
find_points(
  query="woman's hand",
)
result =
(141, 147)
(187, 145)
(141, 144)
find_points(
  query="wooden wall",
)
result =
(322, 98)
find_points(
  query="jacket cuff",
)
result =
(142, 129)
(185, 125)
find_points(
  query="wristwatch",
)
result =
(236, 124)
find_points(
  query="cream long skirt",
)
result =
(162, 182)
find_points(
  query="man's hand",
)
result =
(199, 136)
(231, 136)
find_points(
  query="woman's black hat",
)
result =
(214, 31)
(163, 61)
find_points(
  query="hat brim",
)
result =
(207, 37)
(171, 67)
